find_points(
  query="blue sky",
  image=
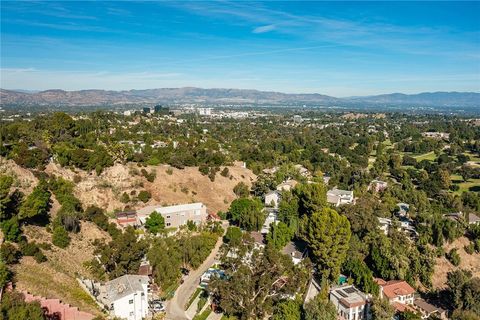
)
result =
(334, 48)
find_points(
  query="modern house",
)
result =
(398, 292)
(125, 297)
(436, 135)
(339, 197)
(351, 303)
(176, 216)
(272, 199)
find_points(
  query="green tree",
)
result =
(9, 253)
(328, 235)
(5, 274)
(311, 197)
(287, 310)
(319, 309)
(247, 213)
(381, 309)
(60, 237)
(5, 184)
(361, 274)
(144, 196)
(155, 223)
(280, 234)
(37, 203)
(11, 229)
(288, 210)
(233, 236)
(241, 190)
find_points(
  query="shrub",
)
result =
(453, 257)
(77, 178)
(125, 198)
(11, 229)
(204, 169)
(144, 196)
(470, 248)
(29, 248)
(40, 257)
(9, 253)
(60, 237)
(169, 171)
(225, 172)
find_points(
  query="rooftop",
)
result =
(124, 286)
(349, 296)
(395, 288)
(339, 192)
(170, 209)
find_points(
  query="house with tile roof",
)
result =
(400, 294)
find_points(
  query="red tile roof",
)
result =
(395, 288)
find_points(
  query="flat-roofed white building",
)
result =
(351, 303)
(338, 197)
(178, 215)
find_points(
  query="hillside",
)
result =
(227, 96)
(171, 186)
(467, 262)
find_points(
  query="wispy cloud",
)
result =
(263, 29)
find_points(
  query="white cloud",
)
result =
(263, 29)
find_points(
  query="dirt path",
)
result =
(176, 306)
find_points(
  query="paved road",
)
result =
(175, 307)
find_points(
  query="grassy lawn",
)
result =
(430, 156)
(202, 316)
(192, 298)
(470, 185)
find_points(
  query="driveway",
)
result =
(175, 308)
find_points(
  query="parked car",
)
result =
(157, 306)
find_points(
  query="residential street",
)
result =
(175, 308)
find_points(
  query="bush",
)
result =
(470, 248)
(9, 253)
(29, 249)
(11, 230)
(225, 172)
(204, 169)
(125, 198)
(169, 171)
(144, 196)
(453, 257)
(149, 176)
(60, 237)
(40, 257)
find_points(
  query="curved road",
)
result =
(175, 308)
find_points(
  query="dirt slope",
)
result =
(171, 186)
(56, 277)
(24, 179)
(443, 266)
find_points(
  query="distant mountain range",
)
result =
(228, 96)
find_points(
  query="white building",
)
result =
(176, 216)
(272, 199)
(351, 303)
(126, 297)
(338, 197)
(204, 111)
(287, 185)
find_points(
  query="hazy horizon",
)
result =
(332, 48)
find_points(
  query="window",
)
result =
(143, 294)
(168, 224)
(130, 301)
(168, 217)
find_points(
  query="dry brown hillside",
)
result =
(467, 262)
(171, 186)
(24, 179)
(55, 278)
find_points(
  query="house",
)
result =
(270, 170)
(126, 297)
(338, 197)
(436, 135)
(295, 250)
(176, 216)
(272, 199)
(126, 218)
(302, 170)
(427, 310)
(377, 185)
(473, 219)
(351, 303)
(398, 292)
(287, 185)
(454, 216)
(258, 239)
